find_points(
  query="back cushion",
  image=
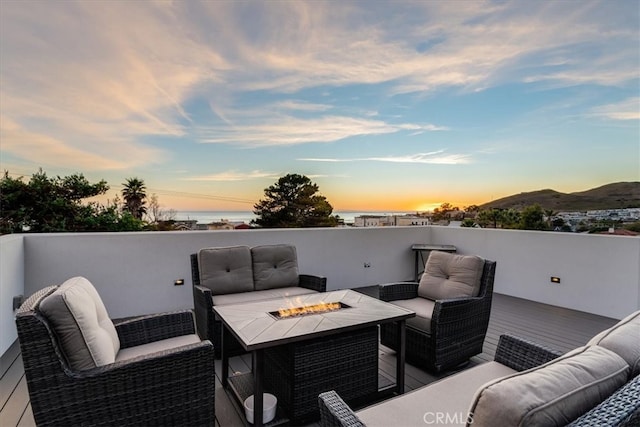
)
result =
(623, 339)
(274, 266)
(226, 270)
(555, 393)
(451, 276)
(82, 324)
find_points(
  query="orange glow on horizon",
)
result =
(340, 202)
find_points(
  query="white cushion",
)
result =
(555, 393)
(451, 276)
(156, 346)
(442, 403)
(623, 339)
(82, 324)
(423, 308)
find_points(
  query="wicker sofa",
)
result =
(238, 274)
(527, 384)
(84, 369)
(452, 304)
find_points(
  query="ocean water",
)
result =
(206, 217)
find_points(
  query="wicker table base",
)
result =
(298, 372)
(306, 355)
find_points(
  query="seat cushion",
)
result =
(82, 324)
(274, 266)
(443, 403)
(623, 339)
(260, 295)
(424, 312)
(157, 346)
(226, 270)
(555, 393)
(451, 276)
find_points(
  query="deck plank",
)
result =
(555, 327)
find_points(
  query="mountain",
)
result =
(618, 195)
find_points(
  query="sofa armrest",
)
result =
(140, 330)
(398, 290)
(335, 412)
(520, 354)
(315, 283)
(203, 308)
(622, 408)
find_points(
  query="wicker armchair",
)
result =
(457, 326)
(174, 386)
(205, 297)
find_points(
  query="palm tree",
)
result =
(134, 195)
(550, 213)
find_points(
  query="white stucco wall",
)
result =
(598, 274)
(11, 284)
(135, 272)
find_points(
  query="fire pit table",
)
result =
(308, 353)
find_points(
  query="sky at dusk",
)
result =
(385, 105)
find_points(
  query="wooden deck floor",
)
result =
(555, 327)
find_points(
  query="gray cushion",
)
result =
(274, 266)
(82, 324)
(447, 398)
(423, 308)
(157, 346)
(623, 339)
(451, 276)
(226, 270)
(260, 295)
(555, 393)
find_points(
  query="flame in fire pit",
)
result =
(323, 307)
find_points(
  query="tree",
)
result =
(445, 212)
(293, 202)
(489, 217)
(549, 214)
(532, 218)
(510, 218)
(134, 194)
(47, 204)
(158, 218)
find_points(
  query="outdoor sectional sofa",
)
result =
(526, 385)
(240, 274)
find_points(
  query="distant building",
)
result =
(185, 225)
(389, 220)
(220, 226)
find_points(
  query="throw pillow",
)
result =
(623, 339)
(555, 393)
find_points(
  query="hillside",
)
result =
(611, 196)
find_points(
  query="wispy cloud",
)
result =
(234, 176)
(629, 109)
(290, 130)
(435, 157)
(300, 106)
(45, 150)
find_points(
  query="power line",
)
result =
(181, 194)
(200, 196)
